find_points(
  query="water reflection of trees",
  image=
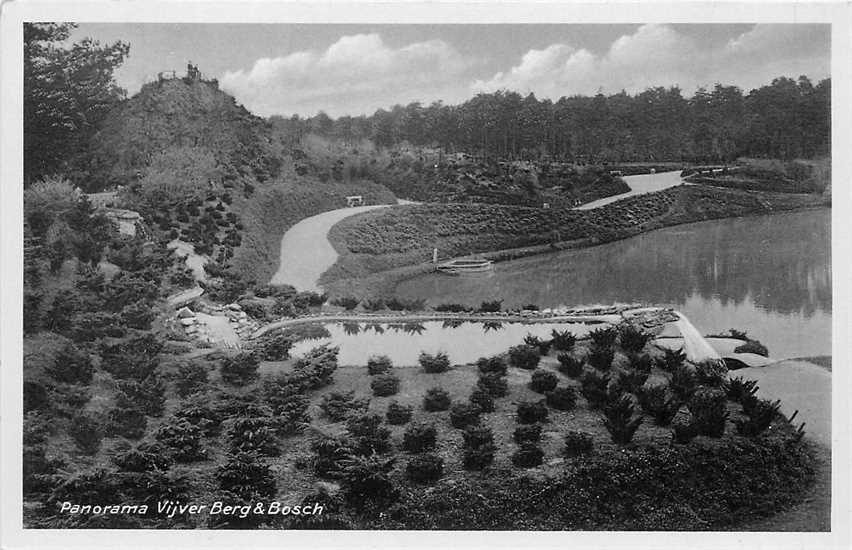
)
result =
(781, 262)
(413, 328)
(375, 327)
(352, 329)
(452, 323)
(488, 326)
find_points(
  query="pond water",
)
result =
(464, 342)
(769, 275)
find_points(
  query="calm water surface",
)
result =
(769, 275)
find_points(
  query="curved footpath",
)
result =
(639, 185)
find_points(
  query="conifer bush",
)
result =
(182, 439)
(569, 366)
(493, 384)
(368, 435)
(247, 475)
(378, 364)
(593, 386)
(530, 412)
(436, 399)
(542, 345)
(419, 437)
(191, 377)
(542, 381)
(463, 415)
(366, 480)
(603, 337)
(656, 401)
(530, 432)
(683, 383)
(578, 443)
(562, 399)
(760, 417)
(86, 433)
(633, 339)
(425, 468)
(437, 363)
(529, 455)
(563, 340)
(398, 414)
(239, 370)
(672, 359)
(338, 405)
(709, 411)
(619, 419)
(738, 388)
(524, 356)
(601, 357)
(482, 400)
(384, 385)
(71, 366)
(494, 364)
(683, 431)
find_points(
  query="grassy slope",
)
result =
(377, 242)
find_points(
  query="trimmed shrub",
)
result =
(275, 347)
(656, 402)
(419, 437)
(543, 346)
(683, 432)
(477, 436)
(436, 399)
(398, 414)
(329, 454)
(463, 415)
(368, 434)
(367, 480)
(633, 339)
(530, 412)
(144, 458)
(709, 411)
(86, 433)
(529, 455)
(482, 400)
(496, 365)
(493, 384)
(425, 468)
(563, 340)
(531, 433)
(542, 381)
(378, 364)
(71, 366)
(440, 362)
(683, 383)
(246, 475)
(524, 356)
(384, 385)
(739, 389)
(254, 434)
(593, 386)
(191, 377)
(239, 370)
(578, 443)
(338, 405)
(569, 366)
(315, 369)
(630, 381)
(760, 417)
(346, 302)
(711, 373)
(619, 419)
(493, 306)
(183, 440)
(601, 357)
(478, 447)
(562, 399)
(453, 308)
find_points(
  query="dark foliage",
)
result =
(524, 356)
(604, 337)
(240, 369)
(425, 468)
(683, 432)
(398, 414)
(593, 386)
(72, 366)
(600, 357)
(495, 364)
(439, 362)
(143, 458)
(453, 308)
(366, 480)
(569, 366)
(338, 405)
(86, 433)
(419, 437)
(384, 385)
(191, 377)
(709, 411)
(683, 383)
(247, 475)
(493, 384)
(530, 433)
(346, 302)
(563, 340)
(619, 419)
(530, 412)
(368, 435)
(463, 415)
(529, 455)
(672, 359)
(378, 364)
(578, 443)
(542, 381)
(656, 401)
(633, 339)
(329, 455)
(542, 345)
(493, 306)
(760, 417)
(182, 439)
(561, 399)
(436, 399)
(739, 389)
(482, 400)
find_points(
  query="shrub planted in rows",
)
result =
(562, 399)
(425, 468)
(437, 363)
(255, 434)
(683, 383)
(493, 306)
(524, 356)
(569, 366)
(640, 362)
(379, 364)
(493, 384)
(531, 433)
(603, 337)
(542, 381)
(398, 414)
(601, 357)
(563, 340)
(542, 345)
(683, 431)
(463, 415)
(656, 402)
(368, 434)
(275, 347)
(373, 304)
(529, 455)
(530, 412)
(338, 405)
(739, 389)
(711, 373)
(709, 411)
(183, 440)
(127, 420)
(578, 443)
(482, 400)
(759, 419)
(633, 339)
(329, 453)
(71, 366)
(246, 475)
(453, 308)
(144, 458)
(419, 437)
(619, 419)
(384, 385)
(86, 433)
(496, 365)
(593, 386)
(191, 377)
(630, 381)
(672, 359)
(436, 399)
(366, 479)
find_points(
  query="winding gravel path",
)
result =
(639, 185)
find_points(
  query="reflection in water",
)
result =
(464, 344)
(452, 323)
(770, 275)
(351, 328)
(492, 325)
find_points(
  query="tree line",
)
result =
(785, 119)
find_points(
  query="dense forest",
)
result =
(785, 119)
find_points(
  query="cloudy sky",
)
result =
(356, 69)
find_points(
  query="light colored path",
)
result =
(639, 185)
(800, 386)
(219, 330)
(305, 251)
(185, 296)
(194, 261)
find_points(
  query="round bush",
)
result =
(463, 415)
(524, 356)
(379, 364)
(562, 399)
(398, 414)
(478, 458)
(528, 456)
(493, 384)
(384, 385)
(569, 366)
(578, 443)
(477, 436)
(494, 364)
(425, 468)
(440, 362)
(543, 381)
(482, 400)
(601, 357)
(531, 433)
(419, 437)
(530, 412)
(436, 399)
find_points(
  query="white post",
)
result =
(435, 256)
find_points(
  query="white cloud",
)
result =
(658, 55)
(357, 74)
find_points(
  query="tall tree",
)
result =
(67, 91)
